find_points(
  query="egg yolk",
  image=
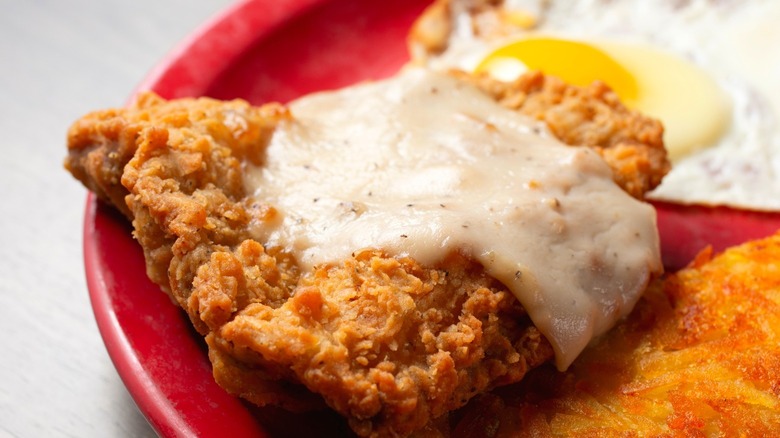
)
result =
(694, 110)
(575, 62)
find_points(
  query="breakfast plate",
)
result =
(264, 50)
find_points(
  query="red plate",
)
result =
(264, 50)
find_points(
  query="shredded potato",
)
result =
(699, 356)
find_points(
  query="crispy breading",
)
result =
(593, 116)
(699, 356)
(191, 153)
(386, 342)
(432, 32)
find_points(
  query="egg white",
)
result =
(734, 42)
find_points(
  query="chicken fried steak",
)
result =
(388, 339)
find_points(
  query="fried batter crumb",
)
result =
(390, 344)
(593, 116)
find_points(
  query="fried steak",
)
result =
(386, 342)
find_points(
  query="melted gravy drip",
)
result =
(423, 164)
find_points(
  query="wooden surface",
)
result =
(58, 60)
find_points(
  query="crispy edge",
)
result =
(390, 344)
(430, 34)
(593, 116)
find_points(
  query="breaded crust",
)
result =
(179, 160)
(432, 33)
(386, 342)
(699, 356)
(593, 116)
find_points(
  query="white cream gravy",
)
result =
(423, 164)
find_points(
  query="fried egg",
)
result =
(709, 70)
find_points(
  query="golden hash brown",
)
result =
(699, 356)
(385, 342)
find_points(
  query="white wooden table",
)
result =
(58, 60)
